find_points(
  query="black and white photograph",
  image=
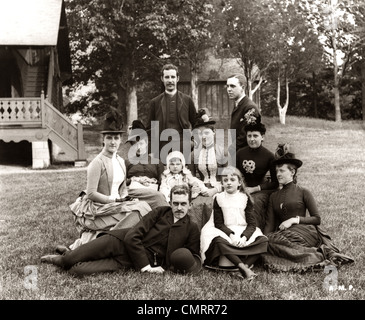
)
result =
(182, 157)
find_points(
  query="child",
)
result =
(177, 174)
(231, 232)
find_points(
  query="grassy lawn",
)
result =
(34, 218)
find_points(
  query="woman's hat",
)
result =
(288, 158)
(255, 126)
(202, 119)
(113, 122)
(183, 261)
(135, 130)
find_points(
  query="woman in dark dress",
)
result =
(296, 242)
(255, 163)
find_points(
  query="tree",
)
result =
(336, 28)
(111, 43)
(296, 49)
(248, 35)
(190, 36)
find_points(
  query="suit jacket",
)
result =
(156, 236)
(238, 120)
(185, 108)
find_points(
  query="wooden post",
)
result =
(43, 110)
(50, 76)
(80, 143)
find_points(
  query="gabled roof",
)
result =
(30, 22)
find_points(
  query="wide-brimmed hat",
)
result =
(202, 119)
(113, 122)
(135, 130)
(288, 157)
(183, 261)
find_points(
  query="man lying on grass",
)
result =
(164, 239)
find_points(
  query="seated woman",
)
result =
(143, 171)
(177, 173)
(209, 159)
(231, 232)
(255, 162)
(104, 203)
(296, 242)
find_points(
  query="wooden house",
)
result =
(212, 85)
(34, 64)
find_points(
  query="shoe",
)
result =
(52, 259)
(60, 249)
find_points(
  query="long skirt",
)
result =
(214, 243)
(91, 217)
(301, 248)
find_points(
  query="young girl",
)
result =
(177, 174)
(231, 232)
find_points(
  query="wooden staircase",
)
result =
(35, 120)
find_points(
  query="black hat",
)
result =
(255, 126)
(202, 119)
(113, 122)
(136, 130)
(183, 261)
(288, 158)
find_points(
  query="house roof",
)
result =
(30, 22)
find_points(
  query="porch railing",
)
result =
(39, 113)
(26, 112)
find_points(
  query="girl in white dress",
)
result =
(231, 232)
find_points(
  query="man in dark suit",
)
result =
(163, 239)
(171, 110)
(244, 112)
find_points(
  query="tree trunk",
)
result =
(282, 110)
(132, 110)
(336, 87)
(363, 90)
(122, 103)
(194, 88)
(315, 94)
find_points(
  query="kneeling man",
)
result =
(164, 239)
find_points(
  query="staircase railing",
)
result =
(38, 112)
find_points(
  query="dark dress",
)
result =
(254, 165)
(303, 246)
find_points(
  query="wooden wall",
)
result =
(213, 96)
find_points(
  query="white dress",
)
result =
(233, 208)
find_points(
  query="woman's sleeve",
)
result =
(219, 219)
(309, 201)
(250, 219)
(93, 177)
